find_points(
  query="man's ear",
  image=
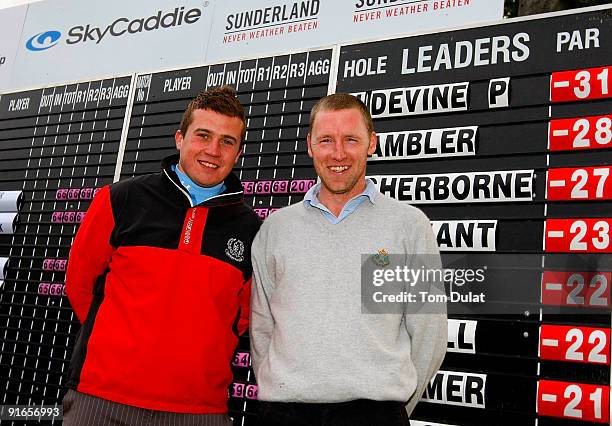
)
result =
(178, 139)
(240, 151)
(372, 146)
(308, 143)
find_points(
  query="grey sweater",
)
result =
(310, 341)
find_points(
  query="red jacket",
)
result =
(162, 289)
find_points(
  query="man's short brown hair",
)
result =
(222, 100)
(338, 101)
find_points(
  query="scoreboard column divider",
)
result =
(271, 199)
(125, 128)
(333, 69)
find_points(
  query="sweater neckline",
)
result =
(327, 225)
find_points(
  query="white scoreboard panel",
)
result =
(57, 146)
(502, 135)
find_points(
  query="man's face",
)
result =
(339, 145)
(210, 148)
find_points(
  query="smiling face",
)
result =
(339, 145)
(210, 147)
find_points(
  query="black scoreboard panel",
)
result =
(277, 93)
(57, 145)
(502, 135)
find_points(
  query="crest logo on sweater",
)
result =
(235, 249)
(381, 258)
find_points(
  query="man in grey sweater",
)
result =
(319, 357)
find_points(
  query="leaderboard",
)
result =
(502, 135)
(58, 145)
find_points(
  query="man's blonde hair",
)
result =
(339, 101)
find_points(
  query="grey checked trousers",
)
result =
(85, 410)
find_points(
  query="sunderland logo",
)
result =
(276, 20)
(43, 41)
(235, 249)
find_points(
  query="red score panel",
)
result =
(76, 193)
(243, 390)
(266, 187)
(264, 213)
(577, 401)
(586, 183)
(579, 133)
(577, 289)
(52, 289)
(67, 217)
(56, 265)
(575, 344)
(579, 85)
(242, 359)
(577, 235)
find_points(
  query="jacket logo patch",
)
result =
(235, 249)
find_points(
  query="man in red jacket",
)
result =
(159, 276)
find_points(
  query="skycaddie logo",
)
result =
(43, 41)
(123, 26)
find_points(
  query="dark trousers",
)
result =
(85, 410)
(362, 412)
